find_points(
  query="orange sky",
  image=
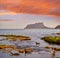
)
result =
(46, 7)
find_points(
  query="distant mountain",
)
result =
(36, 26)
(57, 27)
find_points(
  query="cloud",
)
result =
(21, 20)
(55, 11)
(47, 7)
(7, 20)
(5, 12)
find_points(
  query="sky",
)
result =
(16, 14)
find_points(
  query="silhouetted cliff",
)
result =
(36, 26)
(57, 27)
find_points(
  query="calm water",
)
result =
(35, 35)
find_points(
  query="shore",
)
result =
(16, 44)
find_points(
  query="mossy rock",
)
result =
(52, 39)
(16, 37)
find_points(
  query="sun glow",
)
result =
(7, 13)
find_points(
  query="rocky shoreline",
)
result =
(16, 44)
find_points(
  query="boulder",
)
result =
(14, 52)
(28, 50)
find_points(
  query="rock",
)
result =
(57, 49)
(58, 33)
(36, 26)
(37, 43)
(28, 50)
(11, 46)
(20, 50)
(23, 39)
(14, 52)
(16, 37)
(57, 27)
(52, 39)
(2, 46)
(48, 47)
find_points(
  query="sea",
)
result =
(35, 35)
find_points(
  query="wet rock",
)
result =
(14, 52)
(48, 47)
(2, 46)
(20, 50)
(28, 50)
(11, 46)
(57, 49)
(37, 43)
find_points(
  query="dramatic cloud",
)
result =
(47, 7)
